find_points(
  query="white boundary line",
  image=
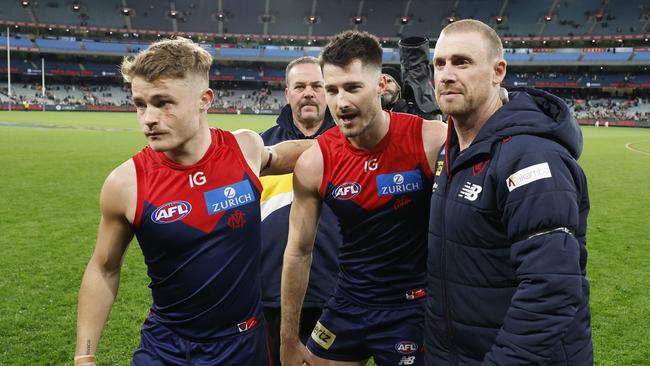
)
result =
(629, 147)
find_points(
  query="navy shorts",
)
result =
(159, 346)
(350, 332)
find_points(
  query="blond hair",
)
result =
(168, 59)
(495, 46)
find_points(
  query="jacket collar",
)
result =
(285, 121)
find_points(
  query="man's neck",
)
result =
(467, 127)
(308, 128)
(375, 133)
(193, 149)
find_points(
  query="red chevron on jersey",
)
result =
(198, 194)
(363, 176)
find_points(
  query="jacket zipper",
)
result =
(443, 268)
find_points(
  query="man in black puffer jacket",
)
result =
(507, 234)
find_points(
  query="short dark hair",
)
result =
(348, 46)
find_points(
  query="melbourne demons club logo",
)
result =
(479, 167)
(237, 220)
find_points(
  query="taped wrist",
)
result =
(84, 360)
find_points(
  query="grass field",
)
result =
(49, 184)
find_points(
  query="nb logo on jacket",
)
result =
(470, 191)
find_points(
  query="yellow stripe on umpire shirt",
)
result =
(277, 193)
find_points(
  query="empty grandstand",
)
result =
(578, 47)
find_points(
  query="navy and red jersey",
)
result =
(199, 230)
(381, 197)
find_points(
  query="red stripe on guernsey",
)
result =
(161, 181)
(139, 174)
(450, 126)
(344, 165)
(268, 347)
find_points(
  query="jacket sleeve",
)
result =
(540, 194)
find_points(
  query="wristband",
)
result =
(84, 360)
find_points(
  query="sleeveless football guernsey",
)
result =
(381, 198)
(199, 230)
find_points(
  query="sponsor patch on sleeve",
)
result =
(528, 175)
(323, 336)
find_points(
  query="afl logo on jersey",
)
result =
(346, 191)
(170, 212)
(406, 347)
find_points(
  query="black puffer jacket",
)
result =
(507, 246)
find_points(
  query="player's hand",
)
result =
(294, 353)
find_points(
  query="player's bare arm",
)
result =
(434, 134)
(101, 278)
(272, 160)
(303, 221)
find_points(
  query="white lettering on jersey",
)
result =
(197, 179)
(370, 165)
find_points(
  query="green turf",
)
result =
(125, 120)
(49, 185)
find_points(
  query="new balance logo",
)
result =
(470, 191)
(407, 360)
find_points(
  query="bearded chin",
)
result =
(388, 100)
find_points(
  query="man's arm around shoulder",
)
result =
(101, 278)
(277, 159)
(303, 221)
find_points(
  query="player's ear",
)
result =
(206, 99)
(381, 85)
(499, 71)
